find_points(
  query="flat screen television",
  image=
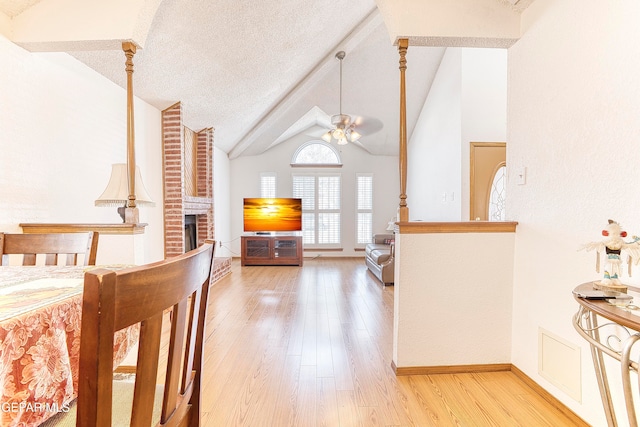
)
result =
(266, 215)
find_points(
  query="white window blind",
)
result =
(329, 192)
(268, 184)
(321, 218)
(304, 187)
(364, 208)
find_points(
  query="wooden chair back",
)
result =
(52, 245)
(114, 300)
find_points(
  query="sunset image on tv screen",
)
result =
(272, 214)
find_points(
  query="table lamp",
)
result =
(117, 191)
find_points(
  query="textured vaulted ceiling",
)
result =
(261, 72)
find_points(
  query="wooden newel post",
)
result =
(129, 50)
(403, 209)
(131, 211)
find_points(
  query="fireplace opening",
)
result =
(190, 233)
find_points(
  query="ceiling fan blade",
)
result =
(367, 125)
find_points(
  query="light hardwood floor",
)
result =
(311, 346)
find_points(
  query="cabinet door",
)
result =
(257, 248)
(285, 248)
(486, 159)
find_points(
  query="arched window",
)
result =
(320, 194)
(497, 196)
(316, 153)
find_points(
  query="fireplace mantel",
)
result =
(197, 205)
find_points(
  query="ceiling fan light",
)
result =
(341, 120)
(354, 136)
(327, 137)
(342, 131)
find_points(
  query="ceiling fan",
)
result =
(343, 128)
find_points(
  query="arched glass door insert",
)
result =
(497, 198)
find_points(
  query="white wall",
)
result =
(483, 107)
(452, 305)
(245, 176)
(221, 201)
(466, 103)
(62, 126)
(574, 109)
(433, 152)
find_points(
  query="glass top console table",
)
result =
(612, 328)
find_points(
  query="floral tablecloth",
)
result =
(40, 311)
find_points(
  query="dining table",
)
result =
(40, 318)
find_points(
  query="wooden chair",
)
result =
(52, 245)
(114, 300)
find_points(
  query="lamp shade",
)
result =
(117, 191)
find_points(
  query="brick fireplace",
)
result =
(188, 184)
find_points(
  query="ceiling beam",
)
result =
(73, 25)
(365, 28)
(446, 23)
